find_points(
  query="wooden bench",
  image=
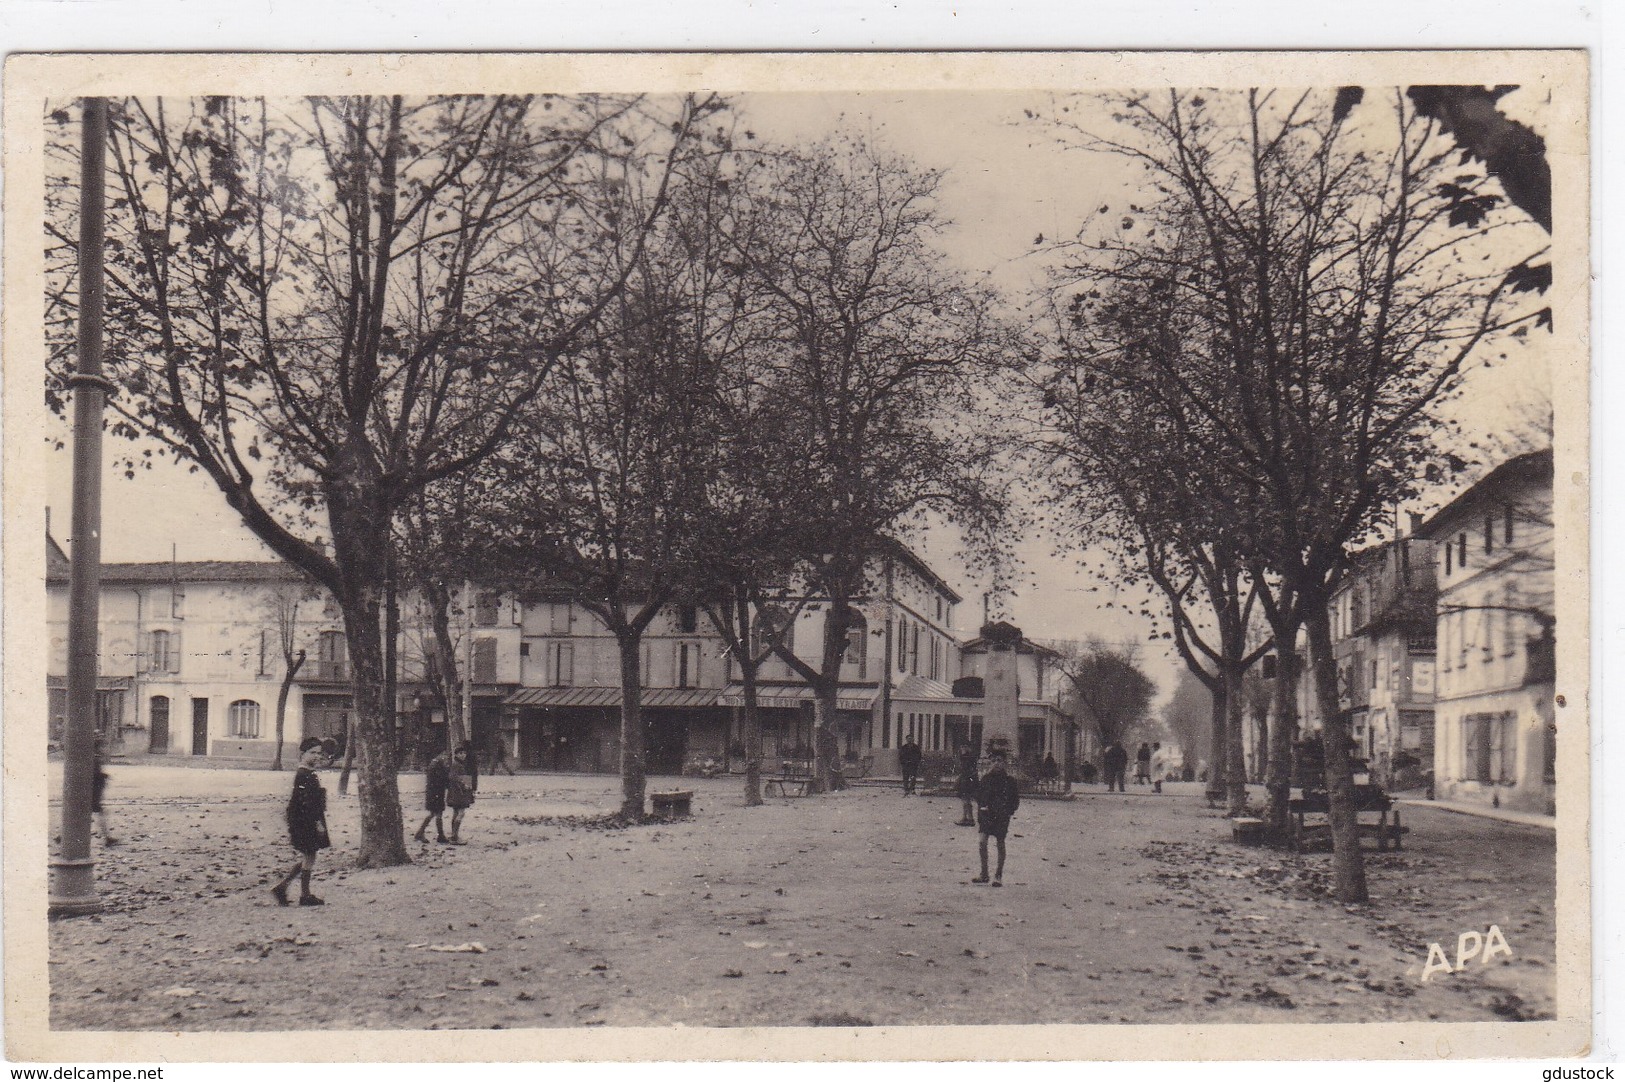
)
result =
(787, 786)
(673, 805)
(1368, 799)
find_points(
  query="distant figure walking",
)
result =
(499, 757)
(1116, 762)
(908, 759)
(461, 784)
(1049, 770)
(1142, 765)
(436, 776)
(307, 823)
(967, 786)
(98, 789)
(996, 801)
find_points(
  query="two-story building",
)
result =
(1496, 726)
(1383, 640)
(192, 663)
(190, 656)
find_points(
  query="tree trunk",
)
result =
(1348, 867)
(1216, 743)
(382, 840)
(1235, 744)
(1283, 732)
(290, 673)
(751, 736)
(349, 754)
(823, 734)
(445, 661)
(633, 778)
(392, 633)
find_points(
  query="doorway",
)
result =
(200, 726)
(159, 744)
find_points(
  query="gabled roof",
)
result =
(183, 572)
(893, 547)
(1534, 466)
(56, 561)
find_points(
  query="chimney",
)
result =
(1416, 522)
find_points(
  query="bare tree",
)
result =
(328, 304)
(1326, 299)
(881, 348)
(282, 606)
(1108, 685)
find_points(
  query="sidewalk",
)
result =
(1483, 811)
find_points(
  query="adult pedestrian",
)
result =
(307, 823)
(996, 801)
(98, 789)
(908, 759)
(1116, 763)
(1142, 765)
(436, 778)
(1049, 769)
(967, 786)
(461, 784)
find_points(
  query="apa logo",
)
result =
(1468, 945)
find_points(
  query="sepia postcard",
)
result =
(797, 556)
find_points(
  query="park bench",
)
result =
(1368, 800)
(794, 780)
(673, 805)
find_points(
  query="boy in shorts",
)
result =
(996, 801)
(307, 823)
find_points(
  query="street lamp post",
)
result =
(73, 872)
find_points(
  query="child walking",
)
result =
(997, 799)
(307, 823)
(435, 779)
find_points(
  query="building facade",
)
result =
(1496, 629)
(192, 663)
(1383, 639)
(190, 660)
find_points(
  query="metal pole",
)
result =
(73, 874)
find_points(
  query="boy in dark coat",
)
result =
(307, 823)
(996, 801)
(462, 781)
(435, 779)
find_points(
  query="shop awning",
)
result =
(783, 698)
(611, 697)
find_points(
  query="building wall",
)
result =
(215, 644)
(1493, 723)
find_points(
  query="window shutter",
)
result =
(143, 648)
(1497, 739)
(175, 651)
(485, 661)
(567, 663)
